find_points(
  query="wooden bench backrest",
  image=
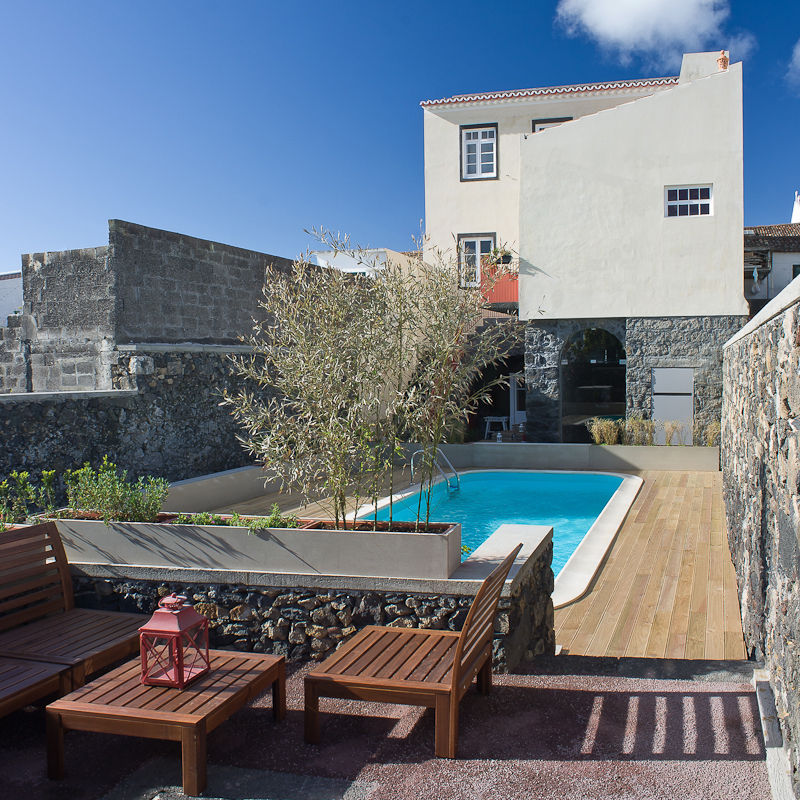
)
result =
(478, 630)
(34, 576)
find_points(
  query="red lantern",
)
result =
(174, 644)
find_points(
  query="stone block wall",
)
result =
(176, 288)
(649, 342)
(760, 456)
(307, 624)
(169, 423)
(68, 319)
(678, 342)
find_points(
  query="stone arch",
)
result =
(592, 374)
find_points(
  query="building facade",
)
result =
(623, 203)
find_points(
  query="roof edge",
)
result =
(578, 88)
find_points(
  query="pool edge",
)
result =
(576, 575)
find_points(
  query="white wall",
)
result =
(453, 206)
(10, 295)
(594, 239)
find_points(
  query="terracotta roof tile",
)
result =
(578, 88)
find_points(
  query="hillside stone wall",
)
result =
(760, 457)
(168, 422)
(307, 624)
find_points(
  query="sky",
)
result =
(247, 122)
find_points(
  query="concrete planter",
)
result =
(275, 550)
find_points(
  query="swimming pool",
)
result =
(569, 501)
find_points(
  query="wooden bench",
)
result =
(39, 623)
(118, 703)
(416, 667)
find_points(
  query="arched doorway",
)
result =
(592, 381)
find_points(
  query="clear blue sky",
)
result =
(245, 122)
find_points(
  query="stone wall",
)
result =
(176, 288)
(169, 423)
(678, 342)
(649, 342)
(544, 343)
(760, 457)
(68, 319)
(306, 624)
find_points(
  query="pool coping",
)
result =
(575, 577)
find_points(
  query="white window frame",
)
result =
(478, 136)
(689, 197)
(469, 275)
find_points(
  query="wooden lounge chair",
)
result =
(38, 620)
(413, 666)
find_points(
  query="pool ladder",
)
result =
(452, 480)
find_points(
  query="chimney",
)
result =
(723, 61)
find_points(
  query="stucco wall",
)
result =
(453, 206)
(760, 457)
(594, 238)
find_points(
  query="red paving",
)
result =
(535, 736)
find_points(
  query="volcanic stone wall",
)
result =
(649, 342)
(306, 624)
(169, 422)
(760, 457)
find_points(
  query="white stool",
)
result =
(502, 421)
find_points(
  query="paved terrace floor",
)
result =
(579, 729)
(668, 587)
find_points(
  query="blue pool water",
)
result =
(570, 502)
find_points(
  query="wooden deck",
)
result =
(667, 588)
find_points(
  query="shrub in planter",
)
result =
(108, 492)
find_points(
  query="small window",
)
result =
(542, 124)
(473, 251)
(478, 152)
(795, 270)
(687, 201)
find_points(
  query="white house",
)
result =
(771, 261)
(624, 203)
(10, 294)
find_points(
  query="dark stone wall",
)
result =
(172, 426)
(176, 288)
(760, 457)
(649, 342)
(307, 624)
(678, 342)
(544, 343)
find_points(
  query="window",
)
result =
(795, 270)
(473, 250)
(478, 152)
(687, 201)
(541, 124)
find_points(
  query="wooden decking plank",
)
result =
(667, 586)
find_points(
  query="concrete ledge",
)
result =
(183, 347)
(575, 576)
(215, 490)
(786, 299)
(464, 581)
(39, 397)
(599, 458)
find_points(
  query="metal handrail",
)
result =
(439, 468)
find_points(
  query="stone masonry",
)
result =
(649, 342)
(306, 624)
(760, 457)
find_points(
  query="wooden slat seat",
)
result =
(24, 682)
(414, 666)
(38, 620)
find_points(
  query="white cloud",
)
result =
(793, 74)
(657, 31)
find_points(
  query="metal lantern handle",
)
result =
(172, 601)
